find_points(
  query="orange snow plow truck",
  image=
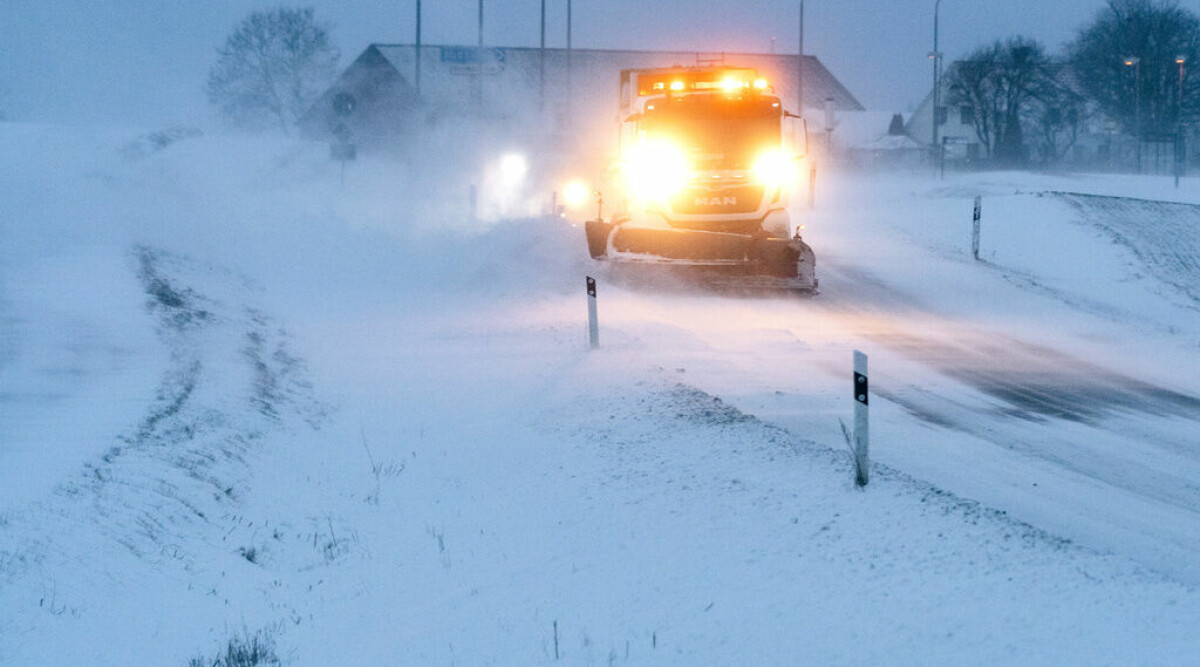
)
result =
(708, 158)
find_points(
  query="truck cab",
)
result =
(707, 148)
(707, 159)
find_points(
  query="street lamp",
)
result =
(1180, 146)
(479, 63)
(570, 64)
(1180, 60)
(800, 66)
(1135, 63)
(542, 63)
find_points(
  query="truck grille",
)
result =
(720, 201)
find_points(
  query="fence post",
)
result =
(593, 323)
(975, 227)
(861, 432)
(942, 158)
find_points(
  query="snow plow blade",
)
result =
(733, 259)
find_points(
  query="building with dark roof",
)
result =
(391, 87)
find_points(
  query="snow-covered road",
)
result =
(1050, 395)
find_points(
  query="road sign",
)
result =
(473, 60)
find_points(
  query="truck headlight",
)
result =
(656, 170)
(775, 168)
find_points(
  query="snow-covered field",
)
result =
(242, 401)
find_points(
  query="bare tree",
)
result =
(1126, 61)
(272, 67)
(1059, 116)
(1003, 85)
(970, 83)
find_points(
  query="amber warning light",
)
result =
(731, 80)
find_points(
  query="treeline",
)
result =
(1127, 69)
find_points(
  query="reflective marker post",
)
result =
(975, 226)
(861, 434)
(593, 322)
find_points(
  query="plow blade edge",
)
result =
(749, 255)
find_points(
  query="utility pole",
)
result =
(937, 57)
(800, 67)
(569, 63)
(479, 62)
(417, 74)
(542, 63)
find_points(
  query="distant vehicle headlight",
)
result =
(513, 169)
(575, 194)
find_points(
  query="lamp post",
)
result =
(542, 63)
(479, 63)
(936, 56)
(1180, 60)
(1135, 63)
(570, 64)
(1180, 146)
(417, 77)
(800, 66)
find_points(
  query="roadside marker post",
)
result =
(975, 227)
(593, 321)
(861, 432)
(344, 148)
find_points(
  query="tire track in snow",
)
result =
(1164, 236)
(168, 491)
(1096, 428)
(1033, 381)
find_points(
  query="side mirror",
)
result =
(796, 135)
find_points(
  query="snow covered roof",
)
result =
(862, 130)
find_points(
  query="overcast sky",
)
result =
(144, 62)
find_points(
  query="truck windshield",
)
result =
(717, 131)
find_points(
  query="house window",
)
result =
(965, 117)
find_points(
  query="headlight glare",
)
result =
(775, 168)
(656, 170)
